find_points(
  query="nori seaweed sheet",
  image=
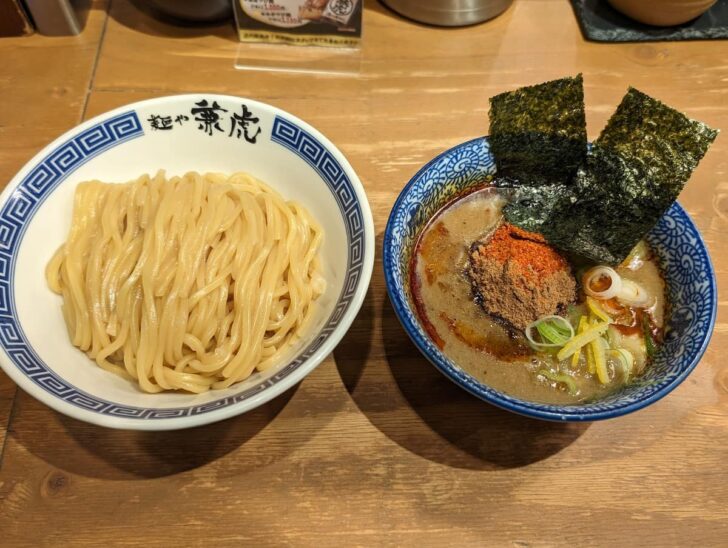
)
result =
(634, 171)
(533, 207)
(538, 133)
(659, 144)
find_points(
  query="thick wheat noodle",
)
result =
(188, 283)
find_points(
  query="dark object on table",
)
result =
(633, 173)
(538, 133)
(196, 11)
(602, 23)
(663, 13)
(59, 17)
(449, 13)
(14, 21)
(332, 23)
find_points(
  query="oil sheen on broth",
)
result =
(483, 346)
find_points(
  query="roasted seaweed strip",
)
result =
(635, 170)
(538, 133)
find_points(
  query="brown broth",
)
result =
(482, 346)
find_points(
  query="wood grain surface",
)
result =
(375, 447)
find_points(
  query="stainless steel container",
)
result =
(449, 13)
(58, 17)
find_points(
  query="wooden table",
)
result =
(375, 447)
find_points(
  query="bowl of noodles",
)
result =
(179, 261)
(677, 244)
(553, 277)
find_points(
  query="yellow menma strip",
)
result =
(580, 340)
(580, 329)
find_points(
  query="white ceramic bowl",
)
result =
(172, 134)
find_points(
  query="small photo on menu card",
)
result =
(335, 23)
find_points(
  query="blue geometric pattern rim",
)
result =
(680, 249)
(16, 214)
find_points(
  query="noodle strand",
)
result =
(188, 283)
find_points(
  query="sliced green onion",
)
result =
(568, 380)
(650, 347)
(626, 361)
(554, 331)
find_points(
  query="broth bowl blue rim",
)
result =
(560, 413)
(39, 177)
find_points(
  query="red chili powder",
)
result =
(527, 249)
